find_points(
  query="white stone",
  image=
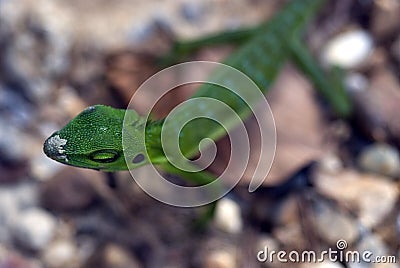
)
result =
(34, 228)
(330, 163)
(62, 253)
(227, 216)
(220, 259)
(266, 244)
(381, 159)
(14, 198)
(356, 82)
(267, 241)
(372, 196)
(348, 50)
(26, 194)
(8, 206)
(334, 225)
(44, 168)
(117, 256)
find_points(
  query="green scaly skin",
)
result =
(94, 138)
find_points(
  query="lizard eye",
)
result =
(104, 156)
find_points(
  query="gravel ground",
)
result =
(334, 183)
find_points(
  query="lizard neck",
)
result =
(153, 140)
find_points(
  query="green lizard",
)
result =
(94, 138)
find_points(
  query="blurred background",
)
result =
(332, 178)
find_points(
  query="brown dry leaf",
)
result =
(300, 130)
(126, 70)
(299, 124)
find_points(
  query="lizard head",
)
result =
(93, 139)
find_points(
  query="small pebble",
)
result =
(16, 109)
(356, 82)
(34, 228)
(61, 254)
(265, 245)
(26, 194)
(15, 197)
(291, 235)
(381, 159)
(43, 168)
(113, 256)
(117, 256)
(372, 196)
(267, 241)
(220, 259)
(334, 225)
(330, 163)
(8, 205)
(11, 147)
(70, 102)
(193, 11)
(228, 216)
(8, 211)
(348, 50)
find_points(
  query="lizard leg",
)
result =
(181, 49)
(200, 178)
(206, 212)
